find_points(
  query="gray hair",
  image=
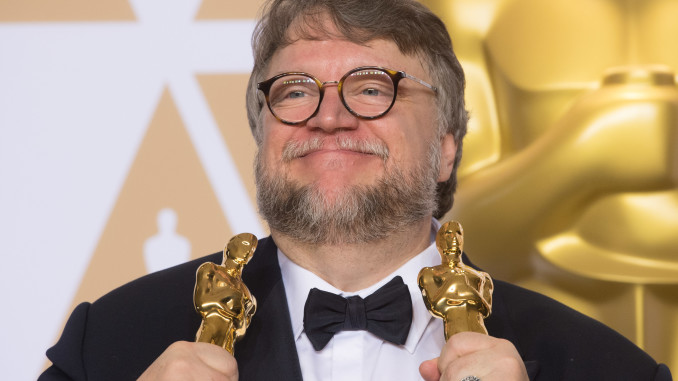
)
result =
(410, 25)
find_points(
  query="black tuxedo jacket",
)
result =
(120, 335)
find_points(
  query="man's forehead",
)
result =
(338, 55)
(319, 26)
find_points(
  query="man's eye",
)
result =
(371, 91)
(296, 94)
(285, 96)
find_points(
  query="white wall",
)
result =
(76, 101)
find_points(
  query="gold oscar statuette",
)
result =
(459, 294)
(221, 297)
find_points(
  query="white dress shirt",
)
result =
(360, 355)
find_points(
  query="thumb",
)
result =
(429, 370)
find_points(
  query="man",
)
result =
(357, 109)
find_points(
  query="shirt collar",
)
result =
(299, 281)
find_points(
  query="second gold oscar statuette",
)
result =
(221, 297)
(453, 291)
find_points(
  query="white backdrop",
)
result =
(76, 101)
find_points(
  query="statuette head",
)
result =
(240, 248)
(450, 241)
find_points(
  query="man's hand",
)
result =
(193, 361)
(474, 354)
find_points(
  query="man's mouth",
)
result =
(295, 149)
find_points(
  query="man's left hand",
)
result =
(473, 354)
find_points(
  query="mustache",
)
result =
(295, 149)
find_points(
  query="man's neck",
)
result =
(353, 267)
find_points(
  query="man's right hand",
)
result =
(193, 361)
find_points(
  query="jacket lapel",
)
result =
(268, 351)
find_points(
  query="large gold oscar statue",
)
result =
(221, 298)
(453, 291)
(571, 160)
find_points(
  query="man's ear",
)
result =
(448, 151)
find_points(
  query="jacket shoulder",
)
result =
(565, 343)
(119, 335)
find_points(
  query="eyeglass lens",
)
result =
(367, 93)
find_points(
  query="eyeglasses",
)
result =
(367, 92)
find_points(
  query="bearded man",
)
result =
(357, 108)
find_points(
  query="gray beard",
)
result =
(358, 214)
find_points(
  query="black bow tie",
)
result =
(386, 313)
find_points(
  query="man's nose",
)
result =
(332, 115)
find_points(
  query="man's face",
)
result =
(408, 132)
